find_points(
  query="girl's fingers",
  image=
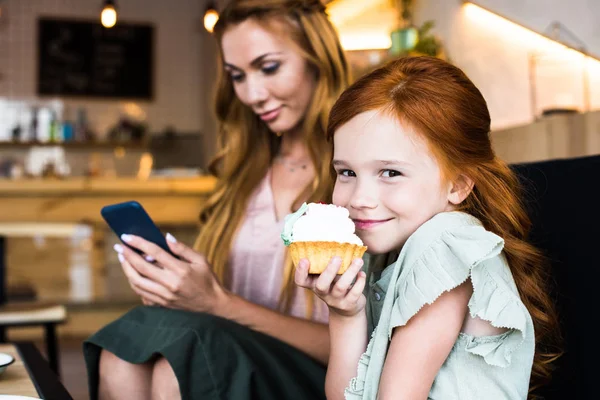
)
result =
(343, 284)
(324, 281)
(357, 289)
(301, 277)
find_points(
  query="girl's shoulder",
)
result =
(448, 236)
(444, 253)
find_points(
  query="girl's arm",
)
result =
(347, 319)
(348, 336)
(419, 348)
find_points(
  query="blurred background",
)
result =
(91, 116)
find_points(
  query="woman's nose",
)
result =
(256, 92)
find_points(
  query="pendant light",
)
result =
(211, 16)
(108, 16)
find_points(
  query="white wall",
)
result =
(497, 60)
(185, 55)
(581, 16)
(184, 59)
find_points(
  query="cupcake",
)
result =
(319, 232)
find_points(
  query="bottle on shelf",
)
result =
(68, 132)
(44, 124)
(33, 127)
(55, 135)
(83, 132)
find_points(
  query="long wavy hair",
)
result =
(444, 106)
(246, 147)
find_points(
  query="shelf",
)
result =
(75, 145)
(185, 186)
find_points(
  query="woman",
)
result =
(232, 323)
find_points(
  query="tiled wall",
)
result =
(184, 59)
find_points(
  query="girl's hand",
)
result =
(342, 297)
(159, 278)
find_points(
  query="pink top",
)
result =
(258, 256)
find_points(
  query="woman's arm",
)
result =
(189, 284)
(310, 337)
(419, 348)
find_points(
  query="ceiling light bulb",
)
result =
(108, 17)
(211, 16)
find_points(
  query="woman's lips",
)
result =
(270, 115)
(365, 224)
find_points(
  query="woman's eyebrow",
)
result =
(256, 62)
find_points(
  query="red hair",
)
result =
(444, 106)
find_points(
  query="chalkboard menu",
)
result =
(82, 58)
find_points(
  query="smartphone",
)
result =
(131, 218)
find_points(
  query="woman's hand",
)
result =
(159, 278)
(341, 295)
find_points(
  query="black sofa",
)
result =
(563, 198)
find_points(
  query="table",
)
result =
(35, 314)
(30, 375)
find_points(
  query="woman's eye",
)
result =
(346, 172)
(236, 77)
(390, 173)
(270, 68)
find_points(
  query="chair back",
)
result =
(563, 198)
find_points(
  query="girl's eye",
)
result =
(270, 68)
(346, 172)
(390, 173)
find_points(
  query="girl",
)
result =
(231, 323)
(455, 301)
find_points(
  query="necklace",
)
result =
(291, 165)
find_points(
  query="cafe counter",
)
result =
(55, 246)
(79, 200)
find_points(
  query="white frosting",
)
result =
(325, 223)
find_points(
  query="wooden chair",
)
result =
(36, 314)
(26, 314)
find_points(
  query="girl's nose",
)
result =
(364, 195)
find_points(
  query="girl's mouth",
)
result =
(366, 224)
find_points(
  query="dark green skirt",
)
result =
(213, 358)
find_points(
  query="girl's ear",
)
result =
(460, 189)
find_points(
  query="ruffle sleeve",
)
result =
(458, 254)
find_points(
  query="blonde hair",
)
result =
(246, 147)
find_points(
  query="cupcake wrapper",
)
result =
(320, 253)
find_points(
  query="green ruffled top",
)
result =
(443, 253)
